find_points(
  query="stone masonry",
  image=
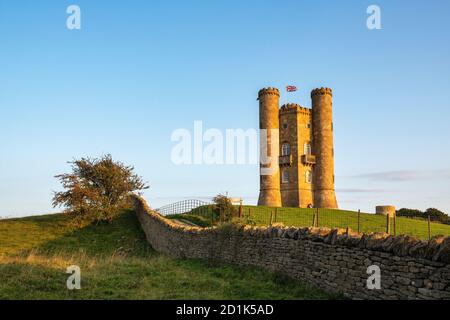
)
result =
(330, 259)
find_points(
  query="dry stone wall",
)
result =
(330, 259)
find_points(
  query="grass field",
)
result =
(260, 215)
(117, 263)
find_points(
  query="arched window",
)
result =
(308, 176)
(285, 176)
(285, 149)
(307, 148)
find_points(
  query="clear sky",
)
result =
(138, 70)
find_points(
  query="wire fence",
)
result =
(354, 220)
(306, 217)
(331, 218)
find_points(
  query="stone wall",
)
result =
(328, 259)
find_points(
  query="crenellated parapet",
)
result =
(294, 107)
(321, 91)
(269, 91)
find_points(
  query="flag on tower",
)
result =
(291, 88)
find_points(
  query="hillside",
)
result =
(117, 263)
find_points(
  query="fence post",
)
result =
(249, 212)
(241, 209)
(270, 221)
(317, 218)
(429, 228)
(395, 224)
(212, 217)
(388, 225)
(276, 212)
(359, 221)
(314, 219)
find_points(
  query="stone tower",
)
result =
(322, 105)
(269, 194)
(296, 160)
(306, 156)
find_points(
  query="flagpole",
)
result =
(286, 97)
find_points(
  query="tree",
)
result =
(437, 215)
(410, 213)
(97, 188)
(225, 207)
(434, 214)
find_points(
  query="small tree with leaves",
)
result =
(97, 189)
(225, 207)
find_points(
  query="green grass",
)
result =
(331, 218)
(198, 220)
(117, 263)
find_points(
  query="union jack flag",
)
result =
(291, 88)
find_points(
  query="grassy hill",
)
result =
(117, 263)
(332, 218)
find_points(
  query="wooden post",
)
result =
(395, 224)
(359, 221)
(276, 212)
(270, 221)
(388, 225)
(429, 228)
(314, 219)
(249, 212)
(241, 210)
(317, 218)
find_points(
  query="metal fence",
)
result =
(181, 207)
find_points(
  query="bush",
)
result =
(225, 207)
(97, 189)
(434, 214)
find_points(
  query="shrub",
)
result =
(225, 207)
(97, 189)
(434, 214)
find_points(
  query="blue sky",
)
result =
(137, 70)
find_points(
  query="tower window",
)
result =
(285, 176)
(307, 148)
(308, 176)
(285, 149)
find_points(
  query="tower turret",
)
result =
(269, 194)
(323, 175)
